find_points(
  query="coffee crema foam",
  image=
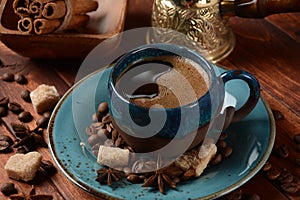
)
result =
(183, 84)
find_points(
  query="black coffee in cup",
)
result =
(168, 81)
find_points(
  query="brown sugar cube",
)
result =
(113, 156)
(23, 166)
(44, 98)
(197, 159)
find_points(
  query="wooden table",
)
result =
(269, 48)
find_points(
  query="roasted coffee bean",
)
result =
(8, 77)
(94, 127)
(89, 131)
(226, 152)
(109, 128)
(100, 116)
(94, 139)
(25, 117)
(108, 134)
(102, 134)
(48, 167)
(111, 125)
(277, 115)
(6, 138)
(106, 119)
(267, 166)
(119, 142)
(4, 146)
(142, 176)
(19, 127)
(15, 107)
(3, 111)
(4, 101)
(217, 159)
(8, 189)
(290, 188)
(273, 174)
(283, 151)
(285, 177)
(297, 161)
(221, 144)
(20, 78)
(134, 178)
(114, 135)
(297, 138)
(223, 136)
(235, 195)
(95, 149)
(103, 108)
(251, 197)
(39, 140)
(38, 131)
(47, 114)
(25, 95)
(42, 122)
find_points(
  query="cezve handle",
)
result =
(257, 8)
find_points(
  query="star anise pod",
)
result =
(160, 178)
(28, 139)
(31, 196)
(31, 141)
(109, 175)
(20, 130)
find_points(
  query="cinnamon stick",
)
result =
(76, 16)
(77, 21)
(25, 25)
(83, 6)
(47, 16)
(43, 26)
(21, 7)
(35, 8)
(54, 10)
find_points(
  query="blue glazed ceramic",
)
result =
(180, 122)
(252, 140)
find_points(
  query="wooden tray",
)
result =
(107, 21)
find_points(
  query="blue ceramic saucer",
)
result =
(252, 140)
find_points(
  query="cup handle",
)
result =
(254, 91)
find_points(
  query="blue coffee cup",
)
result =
(150, 128)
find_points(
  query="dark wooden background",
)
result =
(269, 48)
